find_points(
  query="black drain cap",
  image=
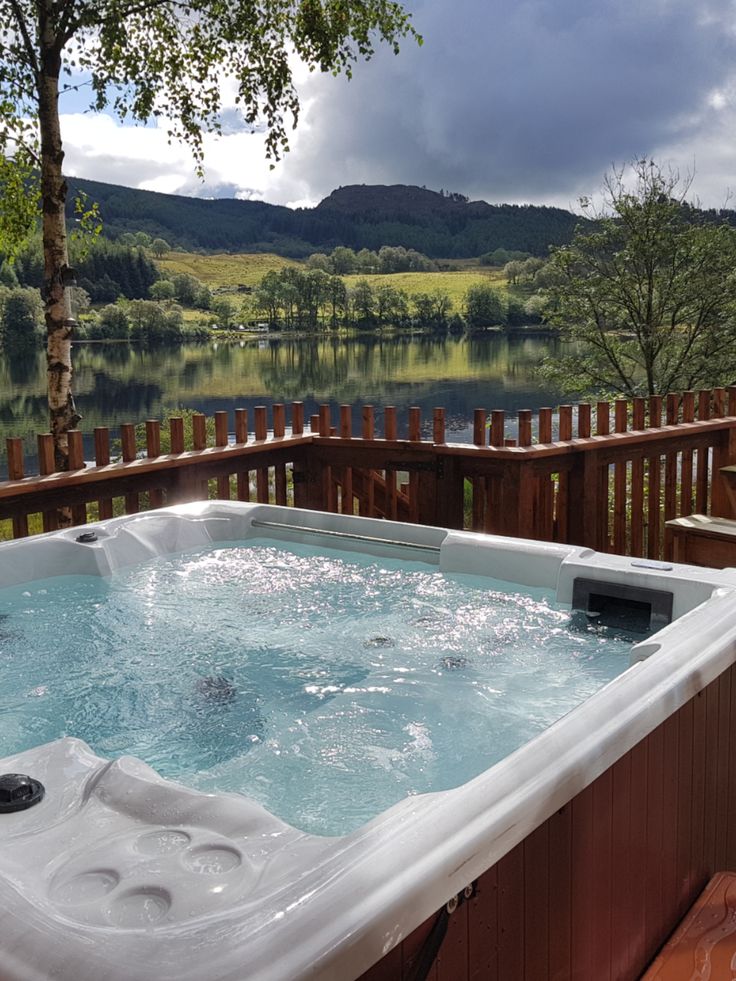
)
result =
(19, 792)
(87, 537)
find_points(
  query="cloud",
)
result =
(531, 101)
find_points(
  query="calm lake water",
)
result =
(117, 383)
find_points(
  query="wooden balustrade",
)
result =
(606, 475)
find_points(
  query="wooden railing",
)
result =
(606, 475)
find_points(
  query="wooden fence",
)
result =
(606, 475)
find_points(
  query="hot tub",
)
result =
(120, 873)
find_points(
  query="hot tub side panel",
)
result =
(595, 891)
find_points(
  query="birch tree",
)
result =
(152, 59)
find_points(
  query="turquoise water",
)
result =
(324, 684)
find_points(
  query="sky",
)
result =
(531, 101)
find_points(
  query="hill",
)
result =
(359, 216)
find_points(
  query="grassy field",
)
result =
(226, 272)
(455, 284)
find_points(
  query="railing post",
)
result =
(724, 455)
(440, 497)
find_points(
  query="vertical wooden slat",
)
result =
(524, 417)
(478, 483)
(16, 471)
(324, 420)
(686, 466)
(546, 481)
(702, 457)
(153, 449)
(483, 928)
(367, 503)
(719, 403)
(602, 418)
(297, 418)
(279, 470)
(346, 432)
(670, 461)
(637, 484)
(129, 453)
(560, 913)
(102, 459)
(46, 465)
(76, 462)
(654, 491)
(438, 425)
(602, 831)
(511, 916)
(415, 436)
(498, 427)
(176, 434)
(536, 885)
(389, 433)
(584, 419)
(260, 422)
(621, 407)
(242, 478)
(563, 479)
(221, 439)
(314, 423)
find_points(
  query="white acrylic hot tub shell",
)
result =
(234, 893)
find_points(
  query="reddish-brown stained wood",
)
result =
(602, 418)
(724, 763)
(260, 422)
(389, 422)
(415, 436)
(241, 425)
(525, 427)
(537, 901)
(686, 466)
(324, 420)
(176, 434)
(638, 413)
(411, 948)
(702, 458)
(697, 813)
(76, 462)
(314, 423)
(654, 480)
(346, 432)
(242, 477)
(368, 421)
(585, 411)
(511, 916)
(545, 425)
(659, 841)
(129, 452)
(601, 831)
(565, 422)
(683, 883)
(585, 898)
(297, 418)
(221, 439)
(452, 960)
(153, 450)
(719, 402)
(731, 400)
(710, 774)
(46, 465)
(14, 449)
(621, 407)
(389, 432)
(635, 909)
(438, 425)
(279, 420)
(560, 893)
(102, 459)
(483, 928)
(498, 427)
(731, 790)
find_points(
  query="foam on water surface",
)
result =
(326, 685)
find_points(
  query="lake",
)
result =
(117, 383)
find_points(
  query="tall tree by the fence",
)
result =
(153, 59)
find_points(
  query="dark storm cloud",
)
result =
(520, 100)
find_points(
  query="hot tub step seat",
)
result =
(700, 539)
(704, 944)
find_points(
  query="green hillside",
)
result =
(439, 225)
